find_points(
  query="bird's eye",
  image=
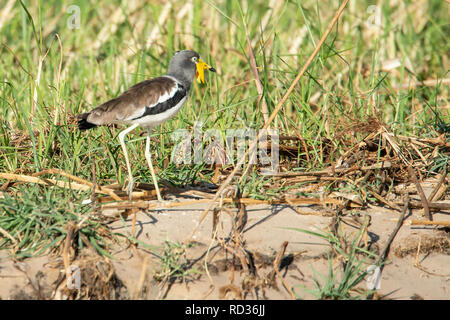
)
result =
(194, 59)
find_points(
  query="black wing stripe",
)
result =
(165, 105)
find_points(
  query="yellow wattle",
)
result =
(200, 74)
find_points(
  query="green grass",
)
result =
(340, 286)
(38, 218)
(345, 284)
(174, 265)
(85, 66)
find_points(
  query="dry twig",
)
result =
(81, 184)
(385, 250)
(426, 207)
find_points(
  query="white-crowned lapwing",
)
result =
(148, 104)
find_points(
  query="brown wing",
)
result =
(132, 103)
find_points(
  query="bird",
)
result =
(148, 104)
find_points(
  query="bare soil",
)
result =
(133, 273)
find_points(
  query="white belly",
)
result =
(154, 120)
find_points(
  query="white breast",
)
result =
(154, 120)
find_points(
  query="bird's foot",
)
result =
(158, 195)
(161, 203)
(130, 187)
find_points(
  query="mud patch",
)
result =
(434, 243)
(98, 280)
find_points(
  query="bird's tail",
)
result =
(83, 123)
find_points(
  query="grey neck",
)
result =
(185, 80)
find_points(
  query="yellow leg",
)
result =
(149, 161)
(124, 148)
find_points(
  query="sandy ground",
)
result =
(263, 235)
